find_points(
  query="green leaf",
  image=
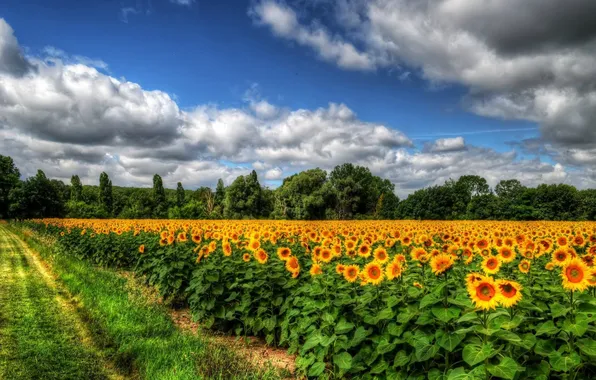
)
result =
(445, 314)
(471, 316)
(548, 328)
(450, 341)
(506, 369)
(558, 310)
(564, 363)
(414, 292)
(578, 328)
(384, 346)
(425, 352)
(386, 314)
(343, 361)
(587, 346)
(508, 336)
(380, 367)
(513, 323)
(343, 327)
(474, 354)
(394, 329)
(401, 359)
(544, 347)
(429, 299)
(317, 369)
(313, 341)
(359, 335)
(459, 374)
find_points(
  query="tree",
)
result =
(105, 194)
(76, 189)
(180, 195)
(159, 198)
(243, 198)
(37, 197)
(9, 179)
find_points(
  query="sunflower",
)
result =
(326, 255)
(284, 253)
(254, 245)
(441, 263)
(350, 245)
(562, 241)
(485, 294)
(578, 240)
(373, 273)
(482, 244)
(196, 238)
(351, 273)
(491, 265)
(560, 257)
(227, 249)
(364, 250)
(292, 264)
(506, 254)
(163, 242)
(472, 279)
(524, 266)
(182, 237)
(142, 248)
(592, 278)
(261, 256)
(393, 271)
(417, 254)
(316, 270)
(549, 266)
(575, 275)
(418, 285)
(171, 239)
(340, 268)
(399, 258)
(380, 255)
(246, 257)
(510, 292)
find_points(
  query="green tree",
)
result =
(105, 194)
(76, 189)
(9, 179)
(159, 198)
(180, 195)
(243, 198)
(37, 197)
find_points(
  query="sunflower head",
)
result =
(380, 255)
(351, 273)
(373, 273)
(485, 294)
(491, 265)
(142, 248)
(575, 275)
(510, 292)
(316, 270)
(441, 263)
(284, 253)
(524, 266)
(292, 264)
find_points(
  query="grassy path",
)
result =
(41, 334)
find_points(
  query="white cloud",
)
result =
(519, 60)
(283, 22)
(73, 119)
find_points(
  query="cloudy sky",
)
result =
(417, 90)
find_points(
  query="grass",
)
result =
(137, 336)
(38, 340)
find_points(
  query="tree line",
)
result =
(347, 192)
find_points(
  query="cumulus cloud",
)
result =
(70, 118)
(284, 23)
(531, 60)
(450, 144)
(12, 60)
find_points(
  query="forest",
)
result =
(347, 192)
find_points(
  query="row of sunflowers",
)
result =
(373, 299)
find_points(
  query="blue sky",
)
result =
(229, 54)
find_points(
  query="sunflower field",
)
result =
(373, 299)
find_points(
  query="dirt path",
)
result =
(41, 334)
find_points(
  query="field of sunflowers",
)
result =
(385, 299)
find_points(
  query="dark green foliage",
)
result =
(159, 198)
(347, 192)
(105, 194)
(180, 195)
(9, 179)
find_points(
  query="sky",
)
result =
(419, 91)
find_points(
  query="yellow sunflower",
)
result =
(316, 270)
(380, 255)
(485, 294)
(510, 292)
(575, 275)
(351, 273)
(441, 263)
(524, 266)
(373, 273)
(491, 265)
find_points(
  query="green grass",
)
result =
(138, 336)
(38, 340)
